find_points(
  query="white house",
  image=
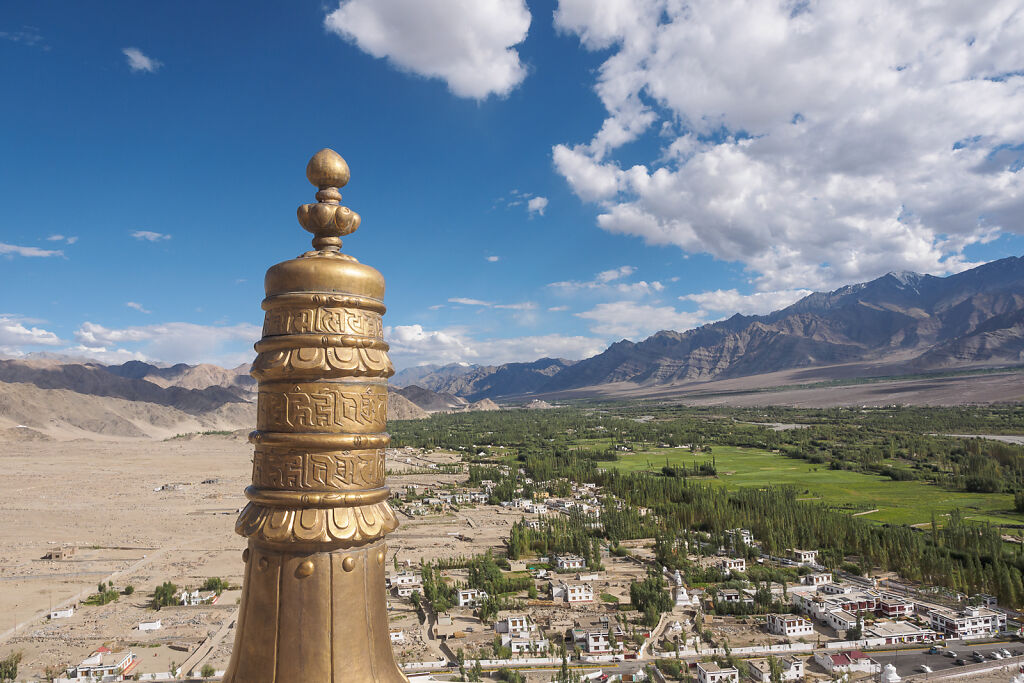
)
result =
(403, 579)
(741, 534)
(709, 672)
(62, 613)
(804, 556)
(594, 637)
(761, 671)
(840, 620)
(103, 663)
(406, 589)
(789, 625)
(733, 596)
(471, 597)
(846, 662)
(528, 644)
(970, 622)
(397, 635)
(572, 593)
(733, 564)
(516, 625)
(150, 625)
(816, 579)
(564, 562)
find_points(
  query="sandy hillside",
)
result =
(67, 414)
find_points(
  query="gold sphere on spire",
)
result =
(327, 169)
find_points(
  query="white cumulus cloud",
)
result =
(16, 333)
(730, 301)
(137, 61)
(469, 44)
(609, 282)
(536, 206)
(413, 345)
(817, 143)
(173, 342)
(636, 321)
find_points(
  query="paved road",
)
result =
(908, 662)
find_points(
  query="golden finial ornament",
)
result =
(314, 608)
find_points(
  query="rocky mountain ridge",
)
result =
(906, 321)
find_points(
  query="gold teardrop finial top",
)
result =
(327, 169)
(328, 220)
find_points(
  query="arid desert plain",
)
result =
(142, 512)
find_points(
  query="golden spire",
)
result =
(313, 604)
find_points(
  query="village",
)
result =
(608, 609)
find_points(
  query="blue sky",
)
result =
(535, 178)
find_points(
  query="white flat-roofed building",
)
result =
(841, 620)
(804, 556)
(516, 625)
(572, 592)
(761, 670)
(742, 535)
(709, 672)
(525, 644)
(970, 622)
(789, 625)
(733, 564)
(105, 665)
(846, 662)
(816, 579)
(403, 579)
(564, 562)
(894, 606)
(407, 589)
(594, 638)
(65, 613)
(471, 597)
(897, 632)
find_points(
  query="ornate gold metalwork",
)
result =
(314, 607)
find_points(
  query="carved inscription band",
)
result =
(312, 471)
(322, 407)
(323, 321)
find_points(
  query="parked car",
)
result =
(926, 669)
(960, 662)
(951, 653)
(995, 654)
(934, 650)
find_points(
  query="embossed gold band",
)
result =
(296, 499)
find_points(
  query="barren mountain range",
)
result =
(900, 324)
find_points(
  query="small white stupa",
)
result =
(889, 674)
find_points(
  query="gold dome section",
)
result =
(329, 275)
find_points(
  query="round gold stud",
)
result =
(305, 569)
(245, 555)
(380, 557)
(263, 563)
(348, 564)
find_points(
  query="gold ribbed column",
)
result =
(314, 607)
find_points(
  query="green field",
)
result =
(903, 502)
